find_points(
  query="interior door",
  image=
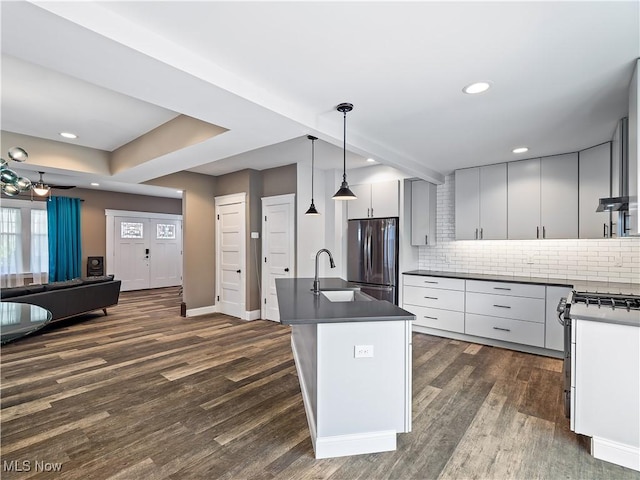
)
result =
(165, 246)
(131, 252)
(277, 249)
(231, 258)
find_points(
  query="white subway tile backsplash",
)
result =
(589, 259)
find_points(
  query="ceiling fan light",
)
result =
(18, 154)
(41, 189)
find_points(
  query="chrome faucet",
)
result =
(316, 281)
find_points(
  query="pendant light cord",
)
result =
(313, 141)
(344, 149)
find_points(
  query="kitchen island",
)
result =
(353, 358)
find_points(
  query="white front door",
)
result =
(131, 252)
(231, 256)
(165, 252)
(277, 249)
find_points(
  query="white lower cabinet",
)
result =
(506, 329)
(435, 301)
(518, 313)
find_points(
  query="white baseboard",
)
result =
(618, 453)
(194, 312)
(355, 444)
(252, 315)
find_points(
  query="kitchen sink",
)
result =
(347, 295)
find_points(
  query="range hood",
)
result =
(619, 199)
(613, 204)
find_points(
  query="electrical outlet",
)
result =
(447, 259)
(363, 351)
(617, 261)
(529, 259)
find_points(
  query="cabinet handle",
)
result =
(481, 234)
(428, 281)
(501, 288)
(431, 318)
(604, 230)
(501, 306)
(502, 329)
(537, 232)
(476, 233)
(368, 212)
(426, 239)
(544, 232)
(431, 298)
(372, 211)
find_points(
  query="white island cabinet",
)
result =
(353, 360)
(605, 389)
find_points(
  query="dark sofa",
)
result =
(69, 298)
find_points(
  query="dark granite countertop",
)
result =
(578, 285)
(298, 305)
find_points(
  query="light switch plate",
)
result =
(255, 234)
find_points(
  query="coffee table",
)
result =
(20, 319)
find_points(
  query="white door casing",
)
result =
(230, 254)
(278, 249)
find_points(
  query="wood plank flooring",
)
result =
(145, 394)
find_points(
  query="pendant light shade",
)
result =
(344, 193)
(312, 209)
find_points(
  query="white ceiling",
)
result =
(273, 72)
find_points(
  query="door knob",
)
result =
(286, 269)
(237, 271)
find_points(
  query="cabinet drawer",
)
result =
(434, 282)
(506, 329)
(520, 308)
(434, 298)
(499, 288)
(435, 318)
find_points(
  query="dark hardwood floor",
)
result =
(145, 394)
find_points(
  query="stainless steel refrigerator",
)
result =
(372, 252)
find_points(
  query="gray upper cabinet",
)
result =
(523, 180)
(543, 197)
(559, 196)
(423, 213)
(377, 200)
(595, 183)
(481, 203)
(467, 203)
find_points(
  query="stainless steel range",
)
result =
(606, 307)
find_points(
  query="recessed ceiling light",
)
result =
(477, 87)
(520, 150)
(68, 135)
(94, 184)
(370, 160)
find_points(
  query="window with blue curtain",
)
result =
(65, 246)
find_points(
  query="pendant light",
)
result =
(344, 193)
(312, 209)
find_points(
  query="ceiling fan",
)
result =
(41, 189)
